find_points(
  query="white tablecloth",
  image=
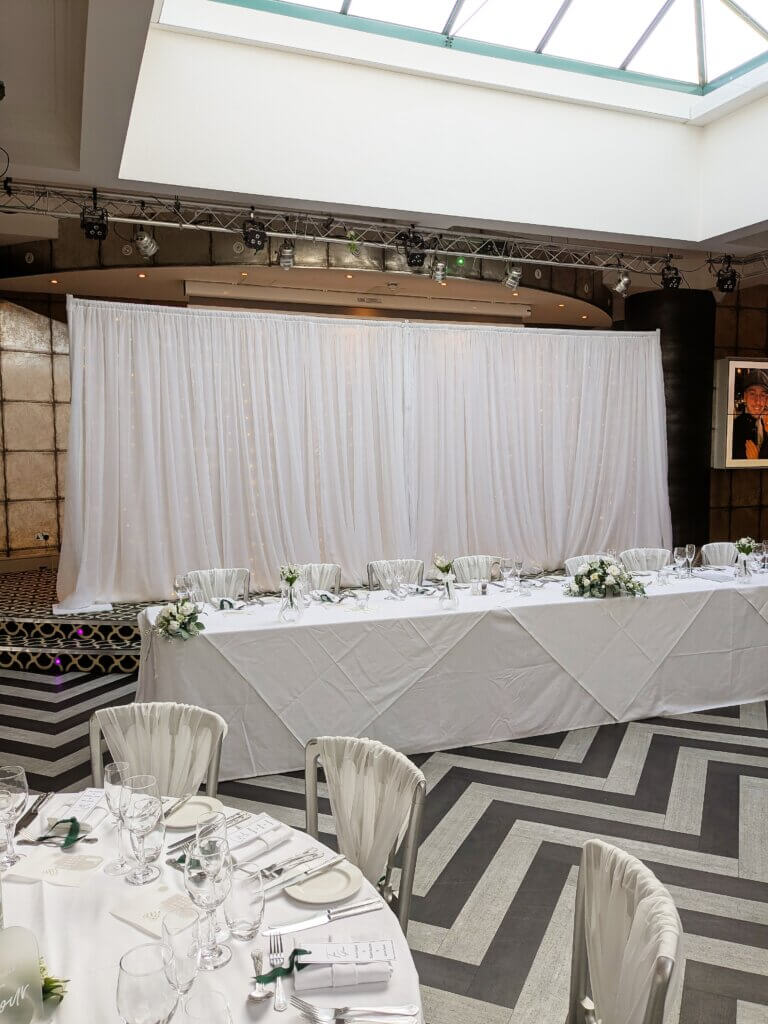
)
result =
(81, 940)
(500, 667)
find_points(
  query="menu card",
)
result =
(348, 952)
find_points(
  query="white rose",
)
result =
(174, 627)
(614, 570)
(169, 609)
(187, 608)
(595, 577)
(609, 580)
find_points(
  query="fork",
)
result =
(331, 1013)
(276, 959)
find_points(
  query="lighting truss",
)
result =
(354, 233)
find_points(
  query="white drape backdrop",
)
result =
(213, 438)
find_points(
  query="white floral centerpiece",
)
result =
(179, 619)
(602, 577)
(442, 564)
(746, 545)
(291, 603)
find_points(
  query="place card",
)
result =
(21, 995)
(146, 911)
(55, 866)
(375, 950)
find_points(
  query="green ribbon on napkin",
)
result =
(283, 972)
(72, 836)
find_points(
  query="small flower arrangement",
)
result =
(745, 545)
(442, 564)
(603, 578)
(53, 988)
(179, 619)
(290, 573)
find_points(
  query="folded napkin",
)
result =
(341, 975)
(325, 596)
(724, 576)
(59, 826)
(266, 842)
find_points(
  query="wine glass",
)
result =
(679, 556)
(144, 993)
(208, 1005)
(117, 800)
(211, 824)
(13, 798)
(181, 586)
(153, 843)
(506, 568)
(690, 554)
(181, 934)
(244, 906)
(518, 570)
(208, 879)
(143, 811)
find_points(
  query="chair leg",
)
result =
(97, 765)
(214, 767)
(310, 788)
(410, 853)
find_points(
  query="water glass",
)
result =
(208, 879)
(153, 843)
(117, 795)
(690, 554)
(13, 799)
(181, 934)
(244, 906)
(506, 568)
(207, 1005)
(181, 586)
(524, 587)
(679, 556)
(143, 811)
(474, 587)
(518, 562)
(144, 993)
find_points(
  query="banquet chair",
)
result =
(412, 570)
(377, 800)
(573, 564)
(214, 584)
(645, 559)
(179, 744)
(321, 576)
(626, 941)
(719, 553)
(474, 567)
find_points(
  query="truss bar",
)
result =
(645, 36)
(553, 25)
(455, 12)
(701, 48)
(345, 7)
(745, 16)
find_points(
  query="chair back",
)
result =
(474, 567)
(377, 799)
(719, 553)
(179, 744)
(214, 584)
(412, 570)
(645, 559)
(321, 576)
(573, 564)
(627, 938)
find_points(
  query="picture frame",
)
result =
(740, 414)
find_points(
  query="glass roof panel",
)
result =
(601, 31)
(729, 39)
(518, 23)
(670, 51)
(426, 14)
(757, 9)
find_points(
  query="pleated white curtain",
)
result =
(213, 438)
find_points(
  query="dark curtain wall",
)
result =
(686, 320)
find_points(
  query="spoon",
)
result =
(259, 991)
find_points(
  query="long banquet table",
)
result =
(81, 940)
(499, 667)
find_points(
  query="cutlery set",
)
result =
(184, 845)
(347, 1014)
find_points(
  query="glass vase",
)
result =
(291, 603)
(742, 565)
(448, 598)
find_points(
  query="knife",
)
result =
(326, 916)
(32, 811)
(235, 819)
(280, 883)
(177, 805)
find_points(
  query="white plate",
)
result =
(188, 816)
(331, 886)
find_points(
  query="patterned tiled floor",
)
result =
(504, 824)
(29, 596)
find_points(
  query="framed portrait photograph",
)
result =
(740, 429)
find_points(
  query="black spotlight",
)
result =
(95, 223)
(414, 246)
(726, 279)
(670, 275)
(254, 234)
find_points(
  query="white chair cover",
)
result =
(173, 742)
(321, 576)
(630, 921)
(371, 790)
(217, 583)
(720, 553)
(572, 565)
(412, 570)
(645, 559)
(473, 567)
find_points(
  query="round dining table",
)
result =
(80, 938)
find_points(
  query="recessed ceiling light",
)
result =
(349, 277)
(561, 305)
(54, 280)
(444, 284)
(243, 273)
(515, 294)
(141, 274)
(583, 316)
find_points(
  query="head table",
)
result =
(81, 940)
(499, 667)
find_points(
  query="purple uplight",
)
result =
(79, 632)
(57, 661)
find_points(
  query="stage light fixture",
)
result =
(439, 271)
(512, 276)
(670, 275)
(145, 244)
(94, 221)
(622, 285)
(727, 278)
(254, 234)
(414, 246)
(287, 254)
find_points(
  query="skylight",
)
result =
(695, 45)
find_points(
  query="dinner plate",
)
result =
(333, 885)
(188, 816)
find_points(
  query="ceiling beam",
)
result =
(755, 25)
(553, 25)
(645, 36)
(701, 50)
(455, 12)
(345, 7)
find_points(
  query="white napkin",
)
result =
(341, 975)
(724, 576)
(257, 842)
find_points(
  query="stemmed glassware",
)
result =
(13, 798)
(181, 934)
(143, 811)
(518, 570)
(208, 880)
(181, 586)
(117, 796)
(690, 554)
(144, 993)
(209, 1006)
(680, 557)
(506, 568)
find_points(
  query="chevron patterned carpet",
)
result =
(504, 824)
